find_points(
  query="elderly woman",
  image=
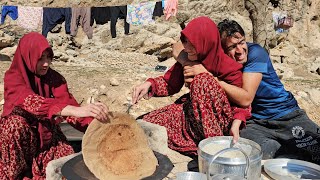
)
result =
(205, 111)
(36, 101)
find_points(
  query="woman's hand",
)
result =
(192, 69)
(235, 128)
(98, 111)
(140, 91)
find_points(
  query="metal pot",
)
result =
(240, 166)
(190, 176)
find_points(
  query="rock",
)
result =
(9, 51)
(71, 52)
(94, 91)
(6, 40)
(314, 67)
(114, 82)
(57, 54)
(302, 94)
(59, 41)
(314, 95)
(154, 43)
(158, 29)
(53, 170)
(64, 58)
(157, 136)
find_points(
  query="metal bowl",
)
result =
(190, 176)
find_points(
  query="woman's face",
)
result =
(44, 63)
(190, 49)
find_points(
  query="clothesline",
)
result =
(136, 14)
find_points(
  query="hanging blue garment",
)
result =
(163, 3)
(54, 16)
(12, 11)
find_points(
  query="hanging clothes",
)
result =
(101, 15)
(139, 14)
(118, 12)
(12, 11)
(158, 9)
(171, 7)
(163, 3)
(30, 17)
(54, 16)
(81, 16)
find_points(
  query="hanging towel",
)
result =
(101, 15)
(81, 16)
(171, 7)
(139, 14)
(54, 16)
(158, 10)
(12, 11)
(30, 17)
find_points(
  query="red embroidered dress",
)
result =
(205, 111)
(29, 131)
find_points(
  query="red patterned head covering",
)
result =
(204, 35)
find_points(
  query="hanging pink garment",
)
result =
(170, 9)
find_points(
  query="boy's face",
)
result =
(235, 46)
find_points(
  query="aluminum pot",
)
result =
(224, 165)
(190, 176)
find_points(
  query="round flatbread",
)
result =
(118, 150)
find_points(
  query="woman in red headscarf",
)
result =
(205, 111)
(36, 101)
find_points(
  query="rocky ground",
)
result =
(107, 69)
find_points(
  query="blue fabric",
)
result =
(271, 101)
(54, 16)
(12, 11)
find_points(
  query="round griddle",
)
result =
(75, 169)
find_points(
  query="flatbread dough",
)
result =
(118, 150)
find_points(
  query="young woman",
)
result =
(36, 101)
(205, 111)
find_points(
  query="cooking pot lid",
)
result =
(288, 169)
(75, 169)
